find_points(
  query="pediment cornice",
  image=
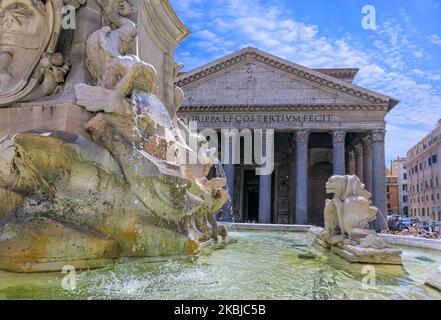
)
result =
(313, 76)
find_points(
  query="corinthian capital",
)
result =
(302, 136)
(367, 141)
(338, 136)
(351, 155)
(378, 135)
(359, 150)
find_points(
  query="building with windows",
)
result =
(399, 169)
(424, 169)
(393, 206)
(323, 124)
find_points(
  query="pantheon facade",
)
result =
(323, 125)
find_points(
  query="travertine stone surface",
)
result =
(108, 174)
(356, 254)
(66, 181)
(67, 117)
(29, 66)
(160, 32)
(435, 279)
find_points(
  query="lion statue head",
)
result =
(346, 186)
(351, 205)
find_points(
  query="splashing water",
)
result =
(261, 265)
(227, 213)
(149, 103)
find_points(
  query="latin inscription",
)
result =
(261, 118)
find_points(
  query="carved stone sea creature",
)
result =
(125, 191)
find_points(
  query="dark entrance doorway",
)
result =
(319, 174)
(250, 196)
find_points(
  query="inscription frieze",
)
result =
(260, 118)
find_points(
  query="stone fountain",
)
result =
(347, 216)
(93, 165)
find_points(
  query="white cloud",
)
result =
(207, 35)
(428, 75)
(435, 39)
(419, 53)
(434, 77)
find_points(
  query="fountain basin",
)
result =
(259, 265)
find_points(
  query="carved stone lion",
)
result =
(347, 216)
(350, 209)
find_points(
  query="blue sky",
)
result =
(401, 58)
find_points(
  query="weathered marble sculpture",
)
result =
(347, 216)
(128, 191)
(29, 66)
(117, 72)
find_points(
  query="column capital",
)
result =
(359, 150)
(367, 141)
(302, 135)
(265, 132)
(378, 135)
(351, 154)
(338, 136)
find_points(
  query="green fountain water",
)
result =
(260, 265)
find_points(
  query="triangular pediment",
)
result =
(253, 77)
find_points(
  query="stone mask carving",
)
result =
(28, 30)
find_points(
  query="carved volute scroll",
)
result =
(303, 136)
(367, 142)
(29, 32)
(338, 136)
(378, 135)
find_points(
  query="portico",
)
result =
(323, 125)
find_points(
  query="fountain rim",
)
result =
(402, 241)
